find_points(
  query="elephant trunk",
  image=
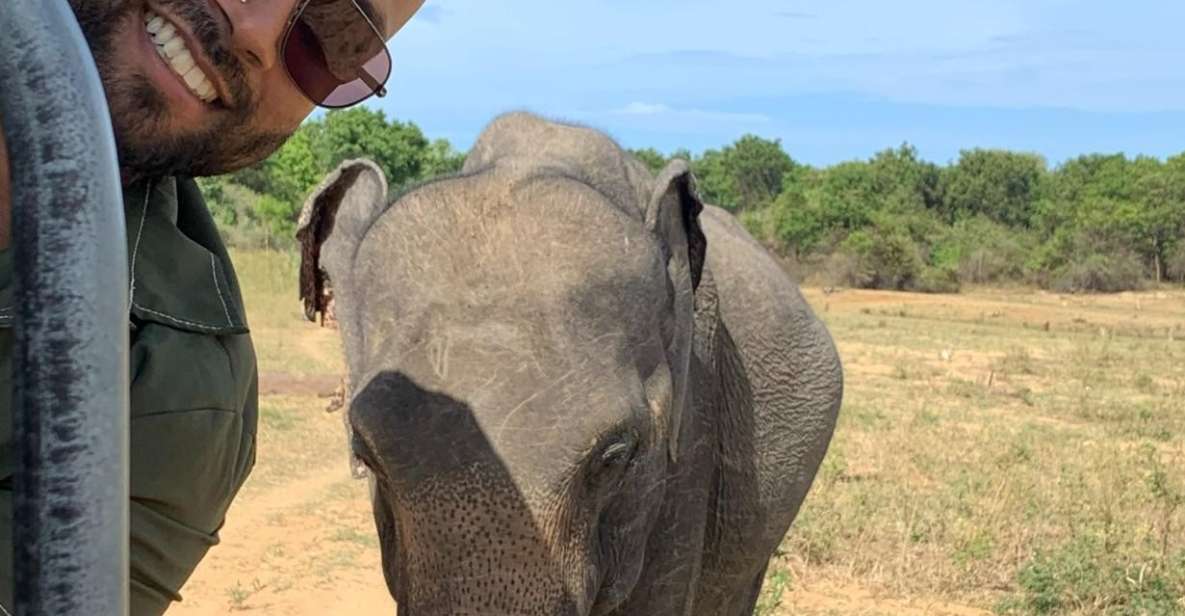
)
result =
(478, 550)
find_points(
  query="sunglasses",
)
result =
(335, 54)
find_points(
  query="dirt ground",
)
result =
(304, 547)
(300, 541)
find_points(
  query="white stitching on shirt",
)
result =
(214, 271)
(6, 312)
(136, 246)
(169, 317)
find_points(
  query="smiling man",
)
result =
(195, 87)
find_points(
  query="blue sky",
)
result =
(834, 80)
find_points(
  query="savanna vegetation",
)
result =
(1007, 452)
(1099, 222)
(259, 206)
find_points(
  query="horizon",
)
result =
(833, 82)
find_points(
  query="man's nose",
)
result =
(256, 27)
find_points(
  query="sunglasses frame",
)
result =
(378, 88)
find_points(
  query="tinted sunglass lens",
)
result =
(306, 64)
(338, 80)
(376, 72)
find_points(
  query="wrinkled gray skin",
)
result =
(564, 408)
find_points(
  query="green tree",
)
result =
(1003, 186)
(293, 169)
(1105, 217)
(441, 159)
(799, 223)
(1157, 224)
(652, 158)
(886, 256)
(681, 154)
(748, 174)
(846, 195)
(277, 216)
(712, 179)
(220, 204)
(1078, 182)
(398, 148)
(903, 181)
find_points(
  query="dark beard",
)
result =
(140, 112)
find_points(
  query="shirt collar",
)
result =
(179, 273)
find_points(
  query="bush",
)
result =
(761, 223)
(1099, 273)
(1083, 576)
(982, 251)
(247, 219)
(937, 280)
(843, 269)
(885, 258)
(277, 215)
(1175, 263)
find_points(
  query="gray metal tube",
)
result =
(70, 366)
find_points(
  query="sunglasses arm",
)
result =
(369, 80)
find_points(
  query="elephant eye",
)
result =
(618, 454)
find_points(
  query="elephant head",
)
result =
(519, 342)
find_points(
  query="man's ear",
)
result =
(334, 219)
(673, 217)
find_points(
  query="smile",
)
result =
(171, 47)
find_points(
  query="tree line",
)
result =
(1098, 222)
(260, 205)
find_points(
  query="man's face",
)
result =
(242, 111)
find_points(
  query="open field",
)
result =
(1006, 451)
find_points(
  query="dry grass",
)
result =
(284, 341)
(1014, 451)
(1003, 450)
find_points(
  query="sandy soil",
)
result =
(301, 548)
(300, 541)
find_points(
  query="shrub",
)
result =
(1081, 576)
(279, 216)
(1175, 263)
(1099, 273)
(886, 258)
(937, 280)
(983, 251)
(843, 269)
(761, 224)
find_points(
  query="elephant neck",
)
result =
(724, 397)
(708, 326)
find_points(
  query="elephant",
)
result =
(577, 389)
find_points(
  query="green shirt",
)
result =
(194, 397)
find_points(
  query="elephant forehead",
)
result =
(556, 248)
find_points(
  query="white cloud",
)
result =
(860, 75)
(638, 108)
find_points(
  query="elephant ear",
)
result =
(333, 221)
(673, 217)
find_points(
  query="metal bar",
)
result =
(70, 366)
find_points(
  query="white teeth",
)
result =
(174, 46)
(205, 90)
(194, 78)
(182, 62)
(170, 46)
